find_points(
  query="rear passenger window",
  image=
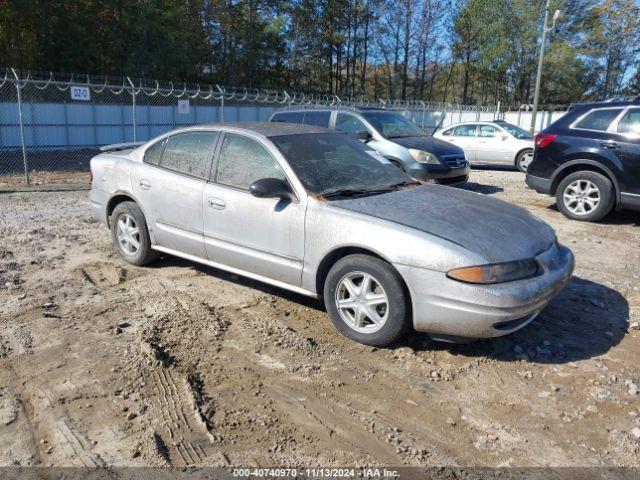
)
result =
(464, 131)
(630, 123)
(189, 153)
(152, 154)
(319, 119)
(598, 119)
(287, 117)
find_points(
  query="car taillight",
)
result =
(543, 140)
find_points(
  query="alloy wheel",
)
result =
(581, 197)
(526, 160)
(362, 302)
(128, 234)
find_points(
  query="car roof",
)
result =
(613, 102)
(474, 122)
(268, 129)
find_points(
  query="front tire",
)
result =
(130, 235)
(366, 300)
(523, 160)
(585, 196)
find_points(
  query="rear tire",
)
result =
(130, 235)
(523, 160)
(366, 300)
(585, 196)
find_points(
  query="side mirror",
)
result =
(364, 135)
(504, 137)
(271, 188)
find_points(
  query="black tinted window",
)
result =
(599, 119)
(242, 161)
(319, 119)
(152, 154)
(287, 117)
(188, 152)
(630, 123)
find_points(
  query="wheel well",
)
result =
(330, 259)
(581, 167)
(115, 201)
(397, 163)
(515, 159)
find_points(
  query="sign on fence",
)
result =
(80, 93)
(183, 107)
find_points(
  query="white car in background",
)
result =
(491, 143)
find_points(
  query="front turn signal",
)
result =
(496, 272)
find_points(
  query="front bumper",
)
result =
(448, 309)
(441, 174)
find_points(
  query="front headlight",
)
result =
(423, 157)
(496, 273)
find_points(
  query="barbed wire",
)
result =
(216, 92)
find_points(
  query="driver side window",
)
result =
(349, 124)
(242, 161)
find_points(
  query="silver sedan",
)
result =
(313, 211)
(491, 143)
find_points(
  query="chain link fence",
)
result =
(53, 126)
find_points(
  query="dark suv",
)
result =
(590, 159)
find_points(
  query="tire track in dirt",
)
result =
(171, 385)
(72, 448)
(102, 274)
(187, 440)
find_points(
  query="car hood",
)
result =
(428, 144)
(496, 230)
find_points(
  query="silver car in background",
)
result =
(395, 137)
(313, 211)
(491, 143)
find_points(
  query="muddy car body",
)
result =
(266, 201)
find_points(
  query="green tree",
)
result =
(613, 41)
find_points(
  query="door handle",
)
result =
(145, 185)
(610, 145)
(217, 203)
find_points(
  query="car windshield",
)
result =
(393, 125)
(517, 132)
(335, 165)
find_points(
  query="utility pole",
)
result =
(545, 30)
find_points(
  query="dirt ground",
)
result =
(103, 363)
